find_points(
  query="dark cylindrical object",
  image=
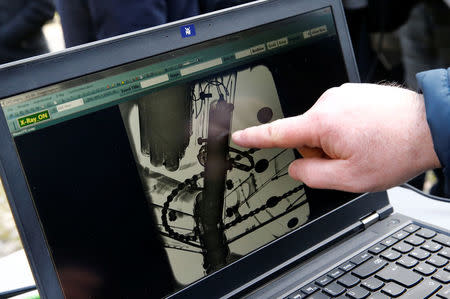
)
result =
(165, 132)
(209, 210)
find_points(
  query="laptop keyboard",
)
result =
(411, 263)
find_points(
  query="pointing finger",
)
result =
(293, 132)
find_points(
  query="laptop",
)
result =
(119, 168)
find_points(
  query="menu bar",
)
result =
(25, 114)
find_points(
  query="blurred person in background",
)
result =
(372, 25)
(21, 24)
(425, 43)
(85, 21)
(425, 39)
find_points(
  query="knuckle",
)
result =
(293, 171)
(355, 188)
(315, 117)
(312, 179)
(273, 132)
(321, 121)
(331, 91)
(299, 172)
(330, 94)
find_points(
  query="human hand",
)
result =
(357, 138)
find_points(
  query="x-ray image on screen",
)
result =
(212, 200)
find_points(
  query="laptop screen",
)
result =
(139, 189)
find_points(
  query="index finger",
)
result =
(293, 132)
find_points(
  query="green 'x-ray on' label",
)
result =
(33, 118)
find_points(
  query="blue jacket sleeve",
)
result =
(435, 85)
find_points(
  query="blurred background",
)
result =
(392, 40)
(9, 237)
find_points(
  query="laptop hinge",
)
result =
(370, 219)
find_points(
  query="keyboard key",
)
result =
(423, 290)
(361, 258)
(400, 235)
(442, 276)
(399, 275)
(378, 296)
(442, 239)
(426, 233)
(445, 253)
(415, 240)
(420, 254)
(347, 266)
(431, 246)
(391, 255)
(336, 273)
(425, 269)
(348, 280)
(297, 295)
(318, 296)
(324, 280)
(407, 262)
(358, 293)
(376, 249)
(393, 289)
(334, 290)
(411, 228)
(369, 268)
(437, 261)
(389, 242)
(373, 284)
(444, 292)
(402, 247)
(309, 289)
(447, 268)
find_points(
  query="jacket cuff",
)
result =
(435, 85)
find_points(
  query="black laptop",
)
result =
(118, 165)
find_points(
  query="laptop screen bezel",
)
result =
(76, 62)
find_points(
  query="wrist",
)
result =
(425, 141)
